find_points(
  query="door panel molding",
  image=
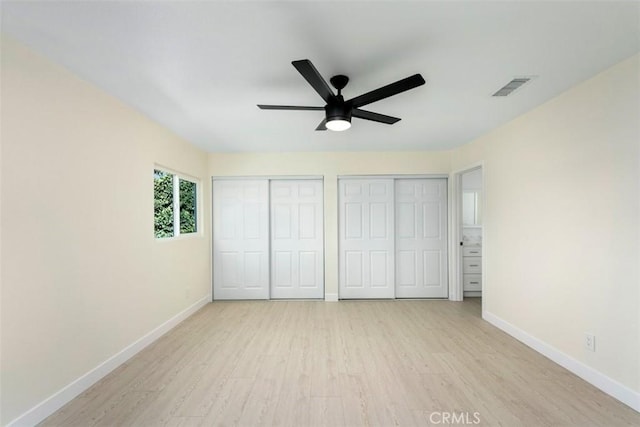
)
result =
(366, 246)
(426, 199)
(300, 234)
(240, 240)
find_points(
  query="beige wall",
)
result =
(330, 165)
(561, 231)
(82, 275)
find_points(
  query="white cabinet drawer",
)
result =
(472, 251)
(472, 264)
(472, 282)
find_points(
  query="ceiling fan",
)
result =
(338, 112)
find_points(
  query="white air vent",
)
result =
(511, 86)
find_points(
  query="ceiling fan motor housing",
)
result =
(337, 109)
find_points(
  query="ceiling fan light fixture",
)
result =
(338, 124)
(338, 115)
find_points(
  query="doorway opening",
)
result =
(467, 225)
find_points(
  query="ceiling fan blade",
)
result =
(387, 91)
(322, 126)
(376, 117)
(311, 75)
(288, 107)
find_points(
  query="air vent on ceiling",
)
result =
(511, 86)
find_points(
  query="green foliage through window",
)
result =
(166, 202)
(188, 217)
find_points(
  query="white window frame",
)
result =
(176, 177)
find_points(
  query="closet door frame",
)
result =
(396, 177)
(268, 178)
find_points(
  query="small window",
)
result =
(175, 205)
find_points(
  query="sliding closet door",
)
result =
(366, 238)
(297, 262)
(421, 238)
(240, 239)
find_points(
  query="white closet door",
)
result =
(240, 239)
(297, 262)
(366, 238)
(421, 238)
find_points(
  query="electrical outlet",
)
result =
(590, 342)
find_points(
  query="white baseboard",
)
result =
(610, 386)
(331, 297)
(56, 401)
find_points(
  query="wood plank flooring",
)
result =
(351, 363)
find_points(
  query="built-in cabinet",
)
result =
(472, 268)
(471, 254)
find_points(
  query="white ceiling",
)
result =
(200, 68)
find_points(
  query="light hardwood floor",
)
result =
(299, 363)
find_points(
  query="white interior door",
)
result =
(421, 238)
(297, 244)
(240, 239)
(366, 218)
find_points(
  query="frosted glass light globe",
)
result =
(338, 125)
